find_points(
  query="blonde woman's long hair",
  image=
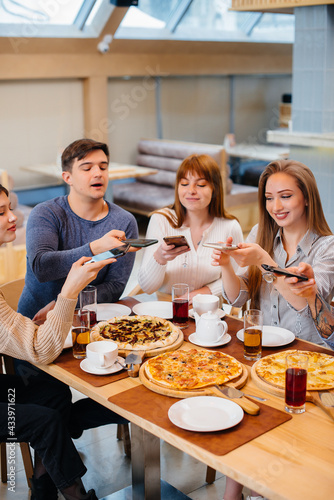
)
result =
(267, 228)
(207, 168)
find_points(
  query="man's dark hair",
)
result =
(78, 150)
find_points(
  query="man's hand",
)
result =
(110, 240)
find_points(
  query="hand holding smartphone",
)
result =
(178, 241)
(220, 246)
(114, 253)
(284, 272)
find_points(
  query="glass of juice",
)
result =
(295, 382)
(180, 299)
(253, 326)
(80, 332)
(88, 300)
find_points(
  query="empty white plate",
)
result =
(158, 308)
(205, 414)
(272, 336)
(107, 311)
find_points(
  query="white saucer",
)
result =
(224, 340)
(86, 366)
(219, 313)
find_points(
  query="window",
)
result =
(53, 18)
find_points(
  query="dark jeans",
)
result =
(42, 410)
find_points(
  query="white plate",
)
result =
(86, 366)
(205, 414)
(272, 336)
(157, 308)
(220, 313)
(224, 340)
(107, 311)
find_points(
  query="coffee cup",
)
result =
(203, 303)
(102, 354)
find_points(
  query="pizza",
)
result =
(136, 332)
(192, 369)
(320, 372)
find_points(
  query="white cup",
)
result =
(203, 303)
(102, 353)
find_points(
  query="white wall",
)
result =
(37, 120)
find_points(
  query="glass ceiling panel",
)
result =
(204, 20)
(53, 18)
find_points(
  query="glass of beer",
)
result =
(180, 299)
(80, 332)
(253, 326)
(295, 382)
(88, 300)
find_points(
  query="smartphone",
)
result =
(114, 253)
(220, 246)
(284, 272)
(140, 242)
(178, 241)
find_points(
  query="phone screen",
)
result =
(114, 253)
(178, 241)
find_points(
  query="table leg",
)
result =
(145, 458)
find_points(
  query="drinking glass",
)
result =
(80, 332)
(180, 299)
(295, 382)
(88, 300)
(253, 326)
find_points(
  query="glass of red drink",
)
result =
(88, 300)
(180, 298)
(295, 382)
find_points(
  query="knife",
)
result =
(247, 405)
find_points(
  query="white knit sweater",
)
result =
(194, 267)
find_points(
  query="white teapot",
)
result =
(209, 327)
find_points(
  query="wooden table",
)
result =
(292, 461)
(117, 171)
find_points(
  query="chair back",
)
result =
(12, 292)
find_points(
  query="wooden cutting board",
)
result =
(313, 396)
(159, 350)
(206, 391)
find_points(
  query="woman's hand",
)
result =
(304, 289)
(249, 254)
(166, 253)
(81, 275)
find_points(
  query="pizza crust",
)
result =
(320, 373)
(192, 369)
(140, 333)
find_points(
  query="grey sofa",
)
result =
(155, 191)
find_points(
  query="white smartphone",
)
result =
(220, 246)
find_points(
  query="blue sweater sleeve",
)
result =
(56, 238)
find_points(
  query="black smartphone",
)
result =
(178, 241)
(140, 242)
(284, 272)
(114, 253)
